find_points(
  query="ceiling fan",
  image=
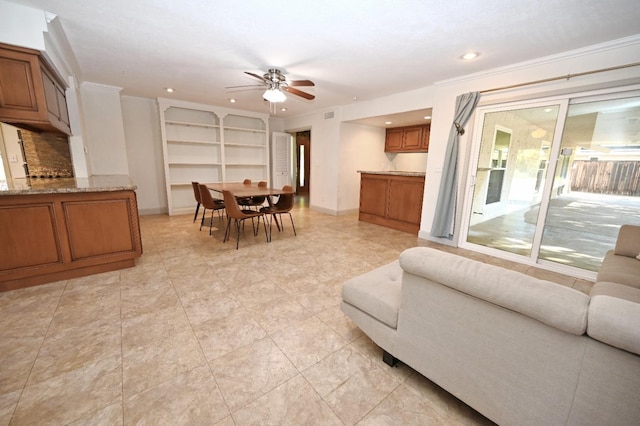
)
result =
(276, 83)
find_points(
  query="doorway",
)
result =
(303, 162)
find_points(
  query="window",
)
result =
(556, 190)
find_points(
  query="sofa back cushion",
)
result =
(614, 315)
(628, 242)
(550, 303)
(619, 269)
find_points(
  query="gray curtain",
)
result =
(446, 206)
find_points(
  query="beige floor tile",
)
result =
(72, 395)
(402, 407)
(368, 348)
(20, 307)
(308, 342)
(255, 293)
(362, 391)
(138, 300)
(111, 415)
(143, 330)
(279, 313)
(340, 323)
(149, 365)
(77, 315)
(318, 299)
(19, 347)
(92, 285)
(219, 336)
(251, 371)
(190, 398)
(75, 348)
(292, 403)
(8, 403)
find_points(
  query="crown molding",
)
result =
(546, 60)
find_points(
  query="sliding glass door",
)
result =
(553, 181)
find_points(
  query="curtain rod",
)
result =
(563, 77)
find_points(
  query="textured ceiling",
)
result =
(353, 50)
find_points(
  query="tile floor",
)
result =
(199, 333)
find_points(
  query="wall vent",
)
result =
(328, 115)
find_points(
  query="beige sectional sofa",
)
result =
(519, 350)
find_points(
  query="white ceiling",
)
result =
(353, 50)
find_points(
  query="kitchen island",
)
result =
(57, 229)
(392, 199)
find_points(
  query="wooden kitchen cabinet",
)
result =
(53, 237)
(32, 95)
(392, 200)
(408, 139)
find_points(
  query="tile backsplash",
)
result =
(47, 154)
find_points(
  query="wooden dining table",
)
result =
(242, 190)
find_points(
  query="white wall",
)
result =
(144, 153)
(325, 157)
(22, 26)
(361, 148)
(104, 128)
(13, 150)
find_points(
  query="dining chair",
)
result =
(196, 194)
(257, 201)
(282, 206)
(239, 216)
(208, 202)
(245, 201)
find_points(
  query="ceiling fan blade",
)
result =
(300, 83)
(259, 77)
(246, 85)
(298, 92)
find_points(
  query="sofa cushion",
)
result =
(628, 242)
(550, 303)
(377, 293)
(619, 269)
(614, 315)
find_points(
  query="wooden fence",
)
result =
(606, 177)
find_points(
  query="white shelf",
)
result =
(193, 142)
(244, 145)
(191, 124)
(203, 143)
(243, 129)
(193, 163)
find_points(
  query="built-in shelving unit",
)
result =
(207, 144)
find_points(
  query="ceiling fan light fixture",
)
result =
(274, 95)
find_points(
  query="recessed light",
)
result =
(283, 109)
(169, 89)
(388, 122)
(232, 100)
(469, 56)
(427, 117)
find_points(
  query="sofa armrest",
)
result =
(628, 242)
(614, 315)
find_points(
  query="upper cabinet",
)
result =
(32, 95)
(408, 139)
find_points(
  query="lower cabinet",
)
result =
(53, 237)
(394, 201)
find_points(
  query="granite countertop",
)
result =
(98, 183)
(393, 173)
